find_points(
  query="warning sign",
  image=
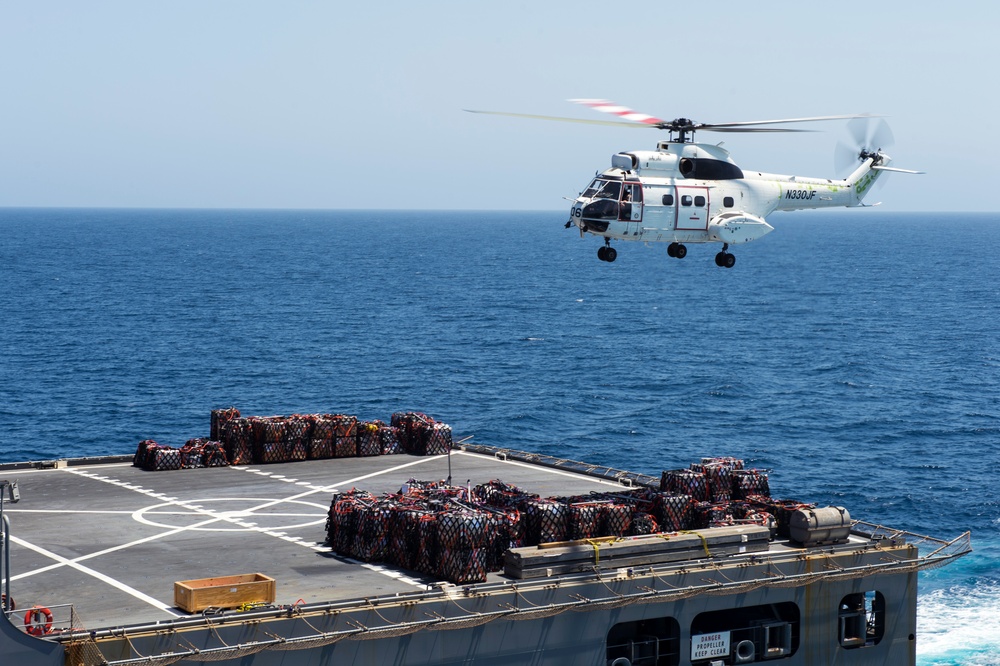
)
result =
(706, 646)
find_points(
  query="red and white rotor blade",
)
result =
(606, 106)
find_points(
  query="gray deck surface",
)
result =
(113, 539)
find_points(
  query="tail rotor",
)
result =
(868, 137)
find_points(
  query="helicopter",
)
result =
(685, 192)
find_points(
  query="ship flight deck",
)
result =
(113, 538)
(100, 545)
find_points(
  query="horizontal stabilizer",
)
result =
(886, 168)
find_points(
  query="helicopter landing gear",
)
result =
(606, 252)
(724, 259)
(677, 250)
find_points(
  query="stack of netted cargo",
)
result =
(237, 437)
(458, 535)
(324, 435)
(544, 520)
(268, 439)
(686, 482)
(721, 491)
(344, 517)
(345, 436)
(427, 527)
(750, 482)
(368, 440)
(203, 453)
(154, 457)
(298, 435)
(219, 419)
(421, 435)
(276, 439)
(718, 472)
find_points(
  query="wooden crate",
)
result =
(195, 596)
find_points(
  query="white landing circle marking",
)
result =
(232, 514)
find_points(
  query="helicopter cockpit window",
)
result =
(603, 189)
(609, 189)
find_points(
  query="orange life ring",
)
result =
(33, 620)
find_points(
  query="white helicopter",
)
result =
(687, 192)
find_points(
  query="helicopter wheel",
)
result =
(725, 260)
(611, 254)
(672, 250)
(602, 253)
(680, 251)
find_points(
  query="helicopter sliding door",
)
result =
(630, 209)
(692, 211)
(660, 215)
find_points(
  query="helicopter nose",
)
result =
(600, 209)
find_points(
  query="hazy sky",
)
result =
(293, 104)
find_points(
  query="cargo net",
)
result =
(421, 435)
(259, 440)
(461, 533)
(154, 457)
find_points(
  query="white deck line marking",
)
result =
(96, 574)
(370, 567)
(272, 514)
(332, 487)
(421, 461)
(215, 518)
(64, 562)
(252, 526)
(575, 475)
(63, 511)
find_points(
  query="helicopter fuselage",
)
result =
(694, 193)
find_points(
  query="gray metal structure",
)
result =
(101, 544)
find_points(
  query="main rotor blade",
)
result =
(607, 106)
(713, 128)
(787, 120)
(615, 123)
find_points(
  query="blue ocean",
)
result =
(855, 355)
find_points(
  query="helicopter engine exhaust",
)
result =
(736, 228)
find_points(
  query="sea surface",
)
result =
(855, 354)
